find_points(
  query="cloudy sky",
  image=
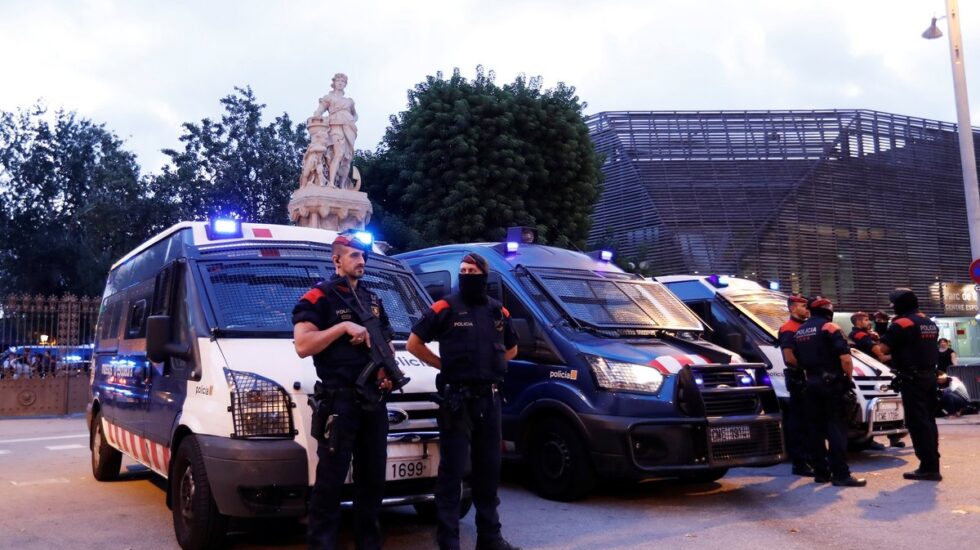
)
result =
(144, 67)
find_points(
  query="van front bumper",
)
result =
(250, 478)
(641, 448)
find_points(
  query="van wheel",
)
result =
(428, 512)
(197, 522)
(105, 459)
(559, 462)
(706, 476)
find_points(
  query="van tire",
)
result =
(197, 522)
(428, 512)
(106, 460)
(559, 462)
(705, 476)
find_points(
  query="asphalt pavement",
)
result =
(48, 499)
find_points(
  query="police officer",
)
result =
(327, 326)
(824, 355)
(864, 338)
(795, 416)
(911, 340)
(475, 342)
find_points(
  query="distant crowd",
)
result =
(32, 364)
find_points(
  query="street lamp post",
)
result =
(968, 159)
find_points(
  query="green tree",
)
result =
(235, 165)
(469, 158)
(69, 194)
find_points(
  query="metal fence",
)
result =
(45, 353)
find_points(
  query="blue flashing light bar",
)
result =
(364, 236)
(606, 255)
(719, 281)
(512, 247)
(773, 285)
(224, 228)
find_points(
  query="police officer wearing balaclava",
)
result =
(911, 340)
(475, 342)
(823, 353)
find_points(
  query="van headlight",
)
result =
(619, 375)
(259, 406)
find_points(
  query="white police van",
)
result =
(195, 375)
(745, 318)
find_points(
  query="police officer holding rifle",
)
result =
(343, 325)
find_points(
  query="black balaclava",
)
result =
(904, 301)
(473, 288)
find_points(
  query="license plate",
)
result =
(407, 469)
(409, 461)
(722, 434)
(888, 412)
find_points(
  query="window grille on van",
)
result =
(258, 295)
(769, 309)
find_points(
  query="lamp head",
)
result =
(933, 31)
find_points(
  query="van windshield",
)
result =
(259, 295)
(609, 300)
(766, 308)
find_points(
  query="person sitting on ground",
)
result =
(954, 398)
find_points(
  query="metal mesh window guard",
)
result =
(259, 406)
(768, 309)
(258, 295)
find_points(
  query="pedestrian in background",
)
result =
(946, 357)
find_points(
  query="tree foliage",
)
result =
(234, 165)
(469, 158)
(69, 196)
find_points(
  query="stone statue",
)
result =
(328, 196)
(342, 132)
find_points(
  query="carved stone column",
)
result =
(330, 208)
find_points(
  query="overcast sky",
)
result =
(144, 67)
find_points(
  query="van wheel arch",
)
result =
(557, 456)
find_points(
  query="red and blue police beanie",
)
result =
(479, 261)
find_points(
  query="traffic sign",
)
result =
(975, 271)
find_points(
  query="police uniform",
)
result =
(818, 345)
(359, 429)
(912, 341)
(795, 415)
(863, 341)
(473, 339)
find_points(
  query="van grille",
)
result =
(766, 443)
(730, 404)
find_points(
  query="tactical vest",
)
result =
(340, 363)
(472, 347)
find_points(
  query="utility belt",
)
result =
(471, 390)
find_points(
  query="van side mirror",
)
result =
(735, 341)
(159, 341)
(495, 287)
(525, 340)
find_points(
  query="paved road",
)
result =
(48, 499)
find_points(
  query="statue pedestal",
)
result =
(330, 208)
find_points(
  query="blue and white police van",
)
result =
(195, 375)
(745, 317)
(612, 378)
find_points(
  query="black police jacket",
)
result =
(818, 345)
(787, 331)
(913, 342)
(863, 341)
(328, 304)
(472, 339)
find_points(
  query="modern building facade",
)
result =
(844, 203)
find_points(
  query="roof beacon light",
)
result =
(512, 247)
(224, 228)
(719, 281)
(606, 255)
(364, 236)
(773, 285)
(523, 235)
